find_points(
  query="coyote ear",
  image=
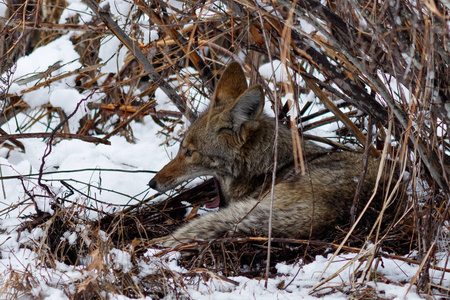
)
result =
(230, 86)
(248, 106)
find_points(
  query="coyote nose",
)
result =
(153, 184)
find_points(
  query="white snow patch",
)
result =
(76, 7)
(3, 9)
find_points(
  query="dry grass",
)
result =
(380, 63)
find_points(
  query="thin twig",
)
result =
(43, 135)
(274, 171)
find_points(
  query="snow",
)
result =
(99, 178)
(76, 7)
(275, 71)
(111, 55)
(176, 4)
(147, 154)
(58, 52)
(3, 9)
(120, 260)
(76, 155)
(111, 52)
(70, 101)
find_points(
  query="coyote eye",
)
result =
(189, 153)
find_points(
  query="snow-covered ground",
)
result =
(116, 175)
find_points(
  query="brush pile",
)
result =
(368, 76)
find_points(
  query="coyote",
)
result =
(233, 140)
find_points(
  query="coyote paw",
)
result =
(160, 241)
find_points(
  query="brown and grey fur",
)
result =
(233, 141)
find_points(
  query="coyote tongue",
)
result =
(216, 201)
(213, 204)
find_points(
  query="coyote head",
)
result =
(216, 142)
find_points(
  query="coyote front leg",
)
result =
(249, 217)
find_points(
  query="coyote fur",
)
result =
(233, 140)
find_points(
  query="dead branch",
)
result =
(41, 135)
